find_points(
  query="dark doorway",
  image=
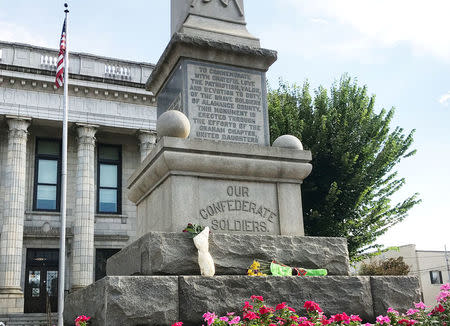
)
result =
(101, 256)
(41, 281)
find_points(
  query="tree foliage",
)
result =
(391, 266)
(348, 193)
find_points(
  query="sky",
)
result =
(400, 49)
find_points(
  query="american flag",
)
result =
(60, 66)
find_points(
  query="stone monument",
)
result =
(213, 71)
(224, 175)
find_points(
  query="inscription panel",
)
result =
(238, 207)
(226, 103)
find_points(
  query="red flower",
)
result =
(178, 324)
(325, 321)
(306, 323)
(437, 309)
(281, 306)
(247, 306)
(264, 310)
(251, 315)
(291, 309)
(257, 297)
(340, 317)
(355, 318)
(406, 322)
(311, 306)
(294, 318)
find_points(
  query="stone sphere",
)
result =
(288, 141)
(173, 123)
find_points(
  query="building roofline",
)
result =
(36, 47)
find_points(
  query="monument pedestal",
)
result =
(232, 188)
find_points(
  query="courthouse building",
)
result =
(112, 119)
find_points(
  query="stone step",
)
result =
(28, 320)
(161, 253)
(163, 300)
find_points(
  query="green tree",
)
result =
(348, 193)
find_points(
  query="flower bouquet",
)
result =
(82, 320)
(265, 268)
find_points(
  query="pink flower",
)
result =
(420, 305)
(445, 287)
(235, 320)
(311, 306)
(281, 306)
(223, 318)
(210, 317)
(383, 319)
(355, 318)
(257, 297)
(411, 312)
(442, 297)
(407, 322)
(391, 310)
(178, 324)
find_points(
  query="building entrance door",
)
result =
(41, 281)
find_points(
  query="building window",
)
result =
(436, 277)
(47, 176)
(101, 256)
(109, 168)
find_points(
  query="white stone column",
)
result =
(83, 240)
(147, 141)
(11, 240)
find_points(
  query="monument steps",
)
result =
(156, 281)
(163, 300)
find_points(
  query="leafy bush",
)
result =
(391, 266)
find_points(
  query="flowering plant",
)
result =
(82, 320)
(258, 269)
(193, 229)
(257, 313)
(264, 268)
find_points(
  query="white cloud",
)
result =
(445, 99)
(15, 33)
(319, 21)
(424, 25)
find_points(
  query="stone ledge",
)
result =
(219, 160)
(160, 253)
(126, 301)
(389, 291)
(163, 300)
(206, 49)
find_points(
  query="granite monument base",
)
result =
(232, 188)
(163, 300)
(160, 253)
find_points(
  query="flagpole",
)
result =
(62, 240)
